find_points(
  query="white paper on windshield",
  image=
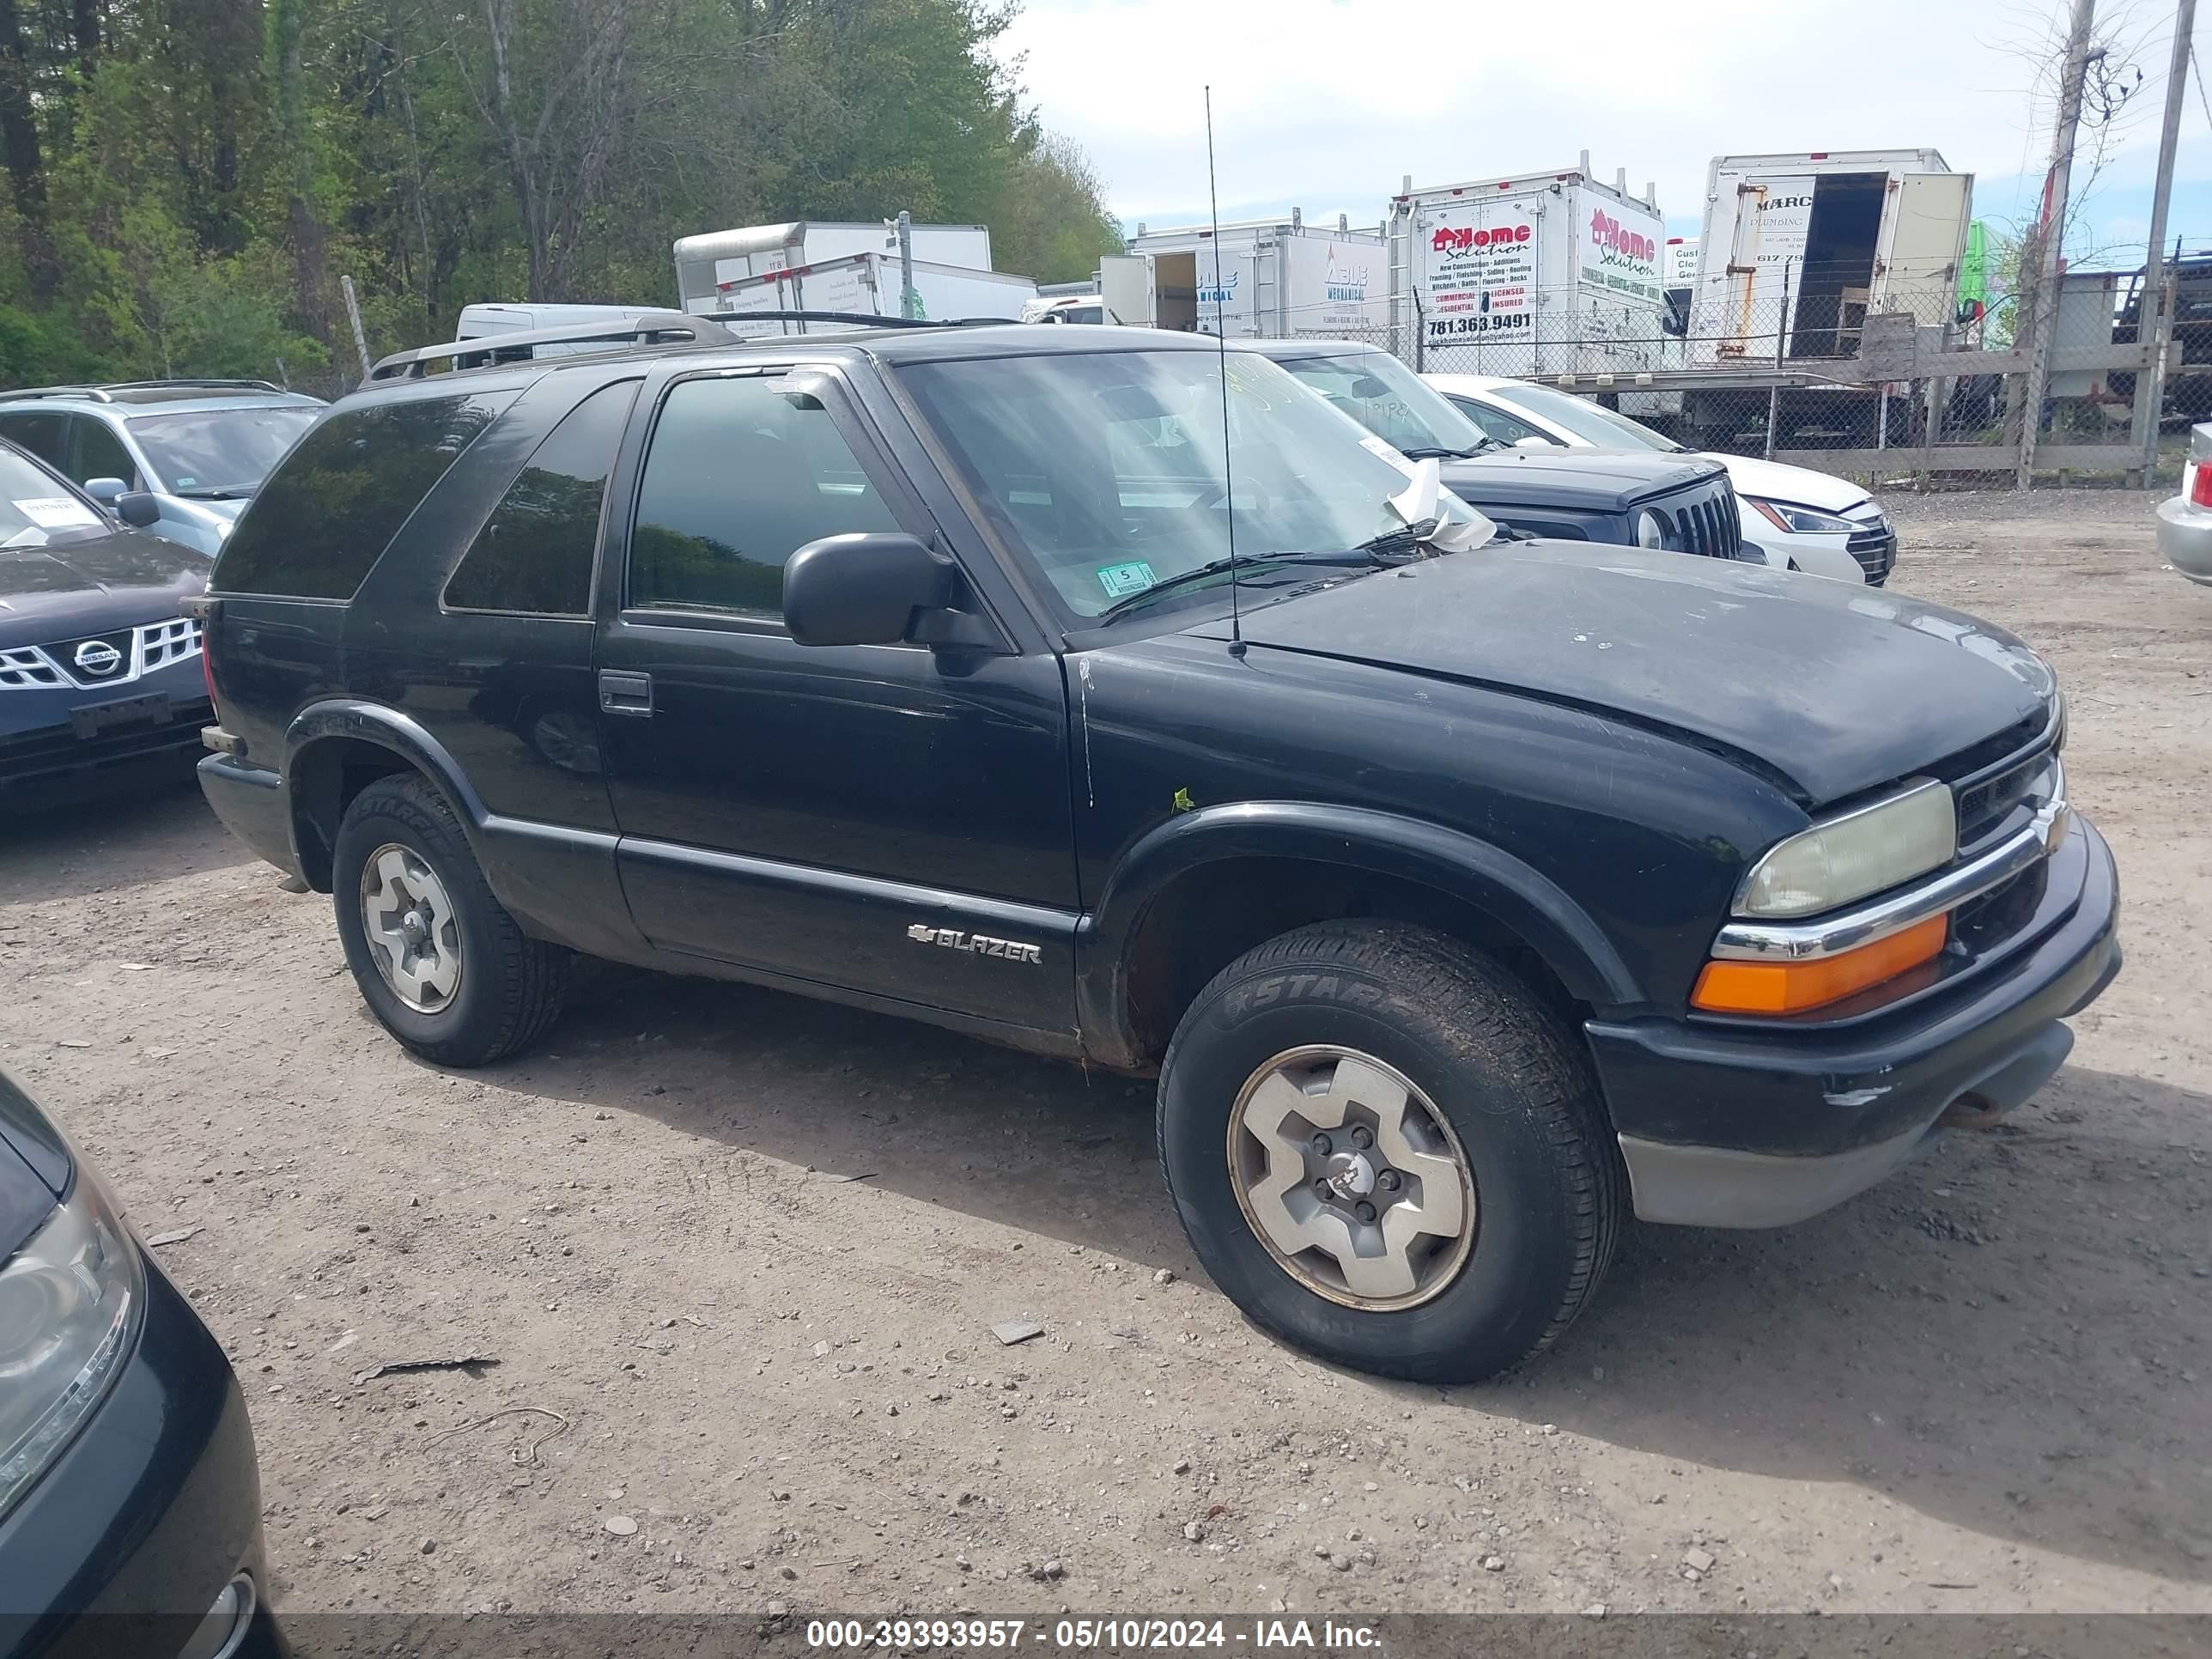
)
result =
(1418, 501)
(1454, 535)
(56, 512)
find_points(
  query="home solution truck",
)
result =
(1542, 273)
(1265, 278)
(811, 265)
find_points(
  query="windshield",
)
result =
(220, 451)
(1108, 469)
(33, 502)
(1593, 422)
(1392, 401)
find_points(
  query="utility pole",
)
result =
(359, 340)
(2052, 232)
(910, 297)
(2154, 320)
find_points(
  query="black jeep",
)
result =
(1641, 497)
(1088, 690)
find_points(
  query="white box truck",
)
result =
(1797, 248)
(1541, 273)
(707, 262)
(484, 320)
(862, 285)
(1264, 278)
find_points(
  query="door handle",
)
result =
(621, 693)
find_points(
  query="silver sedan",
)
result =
(2184, 521)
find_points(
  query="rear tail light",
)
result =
(2200, 484)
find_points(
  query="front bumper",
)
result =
(124, 1544)
(1816, 555)
(42, 753)
(1725, 1127)
(2185, 538)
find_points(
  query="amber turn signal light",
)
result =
(1790, 987)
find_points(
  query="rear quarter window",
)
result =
(325, 515)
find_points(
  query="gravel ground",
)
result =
(732, 1371)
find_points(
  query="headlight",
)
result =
(1651, 531)
(70, 1302)
(1861, 853)
(1803, 521)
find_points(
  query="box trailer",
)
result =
(485, 320)
(1258, 278)
(862, 285)
(1797, 248)
(1548, 272)
(707, 262)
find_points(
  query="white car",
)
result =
(1806, 520)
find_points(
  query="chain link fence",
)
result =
(1803, 364)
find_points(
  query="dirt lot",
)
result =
(1982, 1386)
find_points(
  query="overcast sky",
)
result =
(1326, 104)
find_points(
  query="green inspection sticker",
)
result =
(1120, 580)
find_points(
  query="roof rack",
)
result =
(96, 393)
(854, 319)
(649, 328)
(189, 381)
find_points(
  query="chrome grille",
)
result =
(141, 650)
(25, 667)
(162, 643)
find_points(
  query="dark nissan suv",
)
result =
(99, 667)
(1090, 691)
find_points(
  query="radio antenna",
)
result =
(1221, 353)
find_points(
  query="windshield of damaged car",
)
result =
(1391, 401)
(1112, 472)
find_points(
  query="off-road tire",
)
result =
(511, 985)
(1507, 1074)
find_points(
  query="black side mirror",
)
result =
(863, 589)
(137, 509)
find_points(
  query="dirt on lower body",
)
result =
(738, 1256)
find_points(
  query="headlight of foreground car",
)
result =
(70, 1303)
(1649, 533)
(1801, 520)
(1847, 857)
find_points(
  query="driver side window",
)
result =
(96, 452)
(738, 479)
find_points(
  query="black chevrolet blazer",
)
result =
(1088, 690)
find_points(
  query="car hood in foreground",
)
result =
(1772, 481)
(1834, 689)
(91, 581)
(1589, 479)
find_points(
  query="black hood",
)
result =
(88, 582)
(1837, 687)
(1585, 479)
